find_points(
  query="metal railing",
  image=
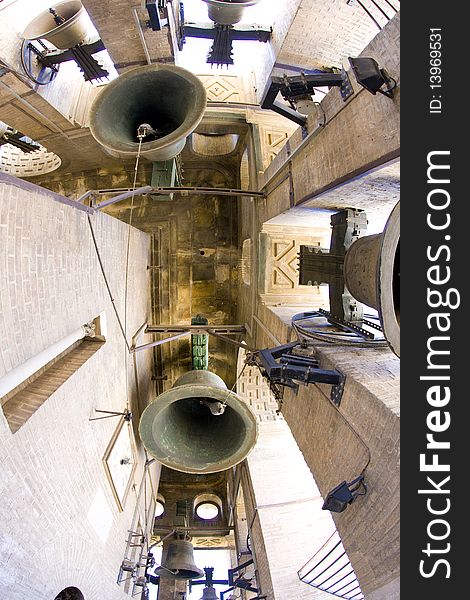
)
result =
(379, 11)
(330, 570)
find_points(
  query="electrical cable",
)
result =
(106, 282)
(39, 80)
(224, 403)
(369, 455)
(335, 338)
(140, 135)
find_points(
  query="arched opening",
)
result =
(208, 506)
(214, 144)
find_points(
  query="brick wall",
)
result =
(115, 21)
(359, 135)
(325, 33)
(337, 444)
(61, 523)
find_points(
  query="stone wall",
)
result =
(61, 524)
(338, 444)
(287, 513)
(325, 33)
(116, 22)
(360, 134)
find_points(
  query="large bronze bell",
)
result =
(168, 100)
(71, 32)
(179, 562)
(199, 426)
(227, 12)
(372, 275)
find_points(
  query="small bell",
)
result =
(209, 593)
(179, 562)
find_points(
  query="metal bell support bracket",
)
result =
(49, 60)
(366, 71)
(208, 579)
(283, 368)
(300, 86)
(223, 30)
(65, 27)
(359, 270)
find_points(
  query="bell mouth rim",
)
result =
(201, 391)
(385, 274)
(193, 118)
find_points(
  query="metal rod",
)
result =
(206, 191)
(141, 36)
(391, 6)
(348, 564)
(230, 341)
(381, 9)
(222, 594)
(166, 527)
(98, 255)
(370, 15)
(109, 414)
(344, 577)
(85, 196)
(160, 342)
(142, 190)
(165, 191)
(324, 558)
(225, 329)
(266, 330)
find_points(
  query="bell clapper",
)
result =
(175, 572)
(57, 18)
(145, 130)
(217, 408)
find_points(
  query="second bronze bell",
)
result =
(178, 563)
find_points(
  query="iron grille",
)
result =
(330, 570)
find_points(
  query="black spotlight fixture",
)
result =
(371, 76)
(343, 494)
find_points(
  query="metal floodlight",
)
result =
(298, 90)
(140, 581)
(128, 566)
(371, 77)
(343, 494)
